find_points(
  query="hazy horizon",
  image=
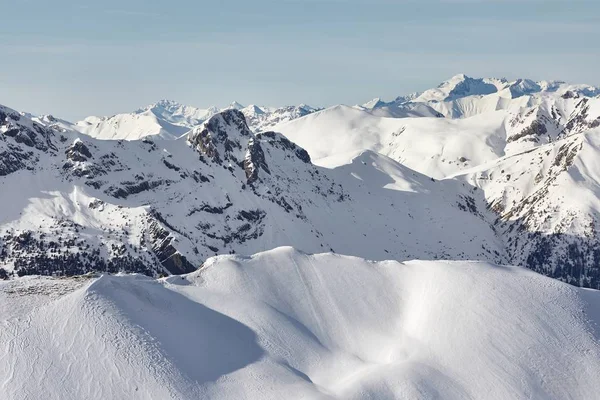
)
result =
(78, 59)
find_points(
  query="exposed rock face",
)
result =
(532, 132)
(24, 131)
(78, 152)
(255, 159)
(21, 142)
(162, 244)
(223, 137)
(280, 141)
(543, 227)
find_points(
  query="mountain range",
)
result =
(171, 120)
(503, 172)
(384, 250)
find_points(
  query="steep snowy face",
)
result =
(547, 202)
(433, 146)
(163, 206)
(522, 87)
(284, 324)
(132, 126)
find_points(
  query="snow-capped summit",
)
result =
(235, 105)
(463, 96)
(459, 86)
(177, 113)
(252, 110)
(262, 119)
(169, 119)
(375, 103)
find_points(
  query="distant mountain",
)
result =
(462, 96)
(169, 120)
(262, 119)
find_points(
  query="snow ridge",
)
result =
(287, 324)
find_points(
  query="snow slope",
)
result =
(547, 200)
(440, 147)
(285, 324)
(130, 127)
(433, 146)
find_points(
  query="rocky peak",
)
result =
(24, 131)
(522, 87)
(224, 137)
(78, 151)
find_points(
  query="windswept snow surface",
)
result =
(285, 324)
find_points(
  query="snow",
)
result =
(503, 172)
(130, 127)
(170, 120)
(432, 146)
(364, 207)
(285, 324)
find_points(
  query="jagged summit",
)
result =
(223, 137)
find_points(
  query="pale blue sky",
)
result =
(76, 58)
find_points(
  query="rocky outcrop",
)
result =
(223, 138)
(78, 152)
(162, 243)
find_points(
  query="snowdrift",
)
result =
(284, 324)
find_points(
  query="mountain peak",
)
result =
(160, 104)
(458, 78)
(235, 105)
(222, 137)
(375, 103)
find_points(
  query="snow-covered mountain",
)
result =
(284, 324)
(170, 120)
(376, 179)
(73, 204)
(545, 203)
(476, 172)
(509, 181)
(462, 96)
